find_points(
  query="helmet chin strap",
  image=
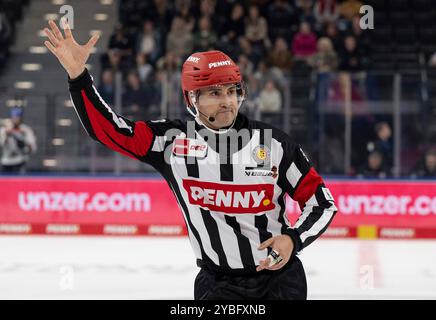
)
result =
(200, 122)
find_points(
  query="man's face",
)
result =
(16, 121)
(430, 162)
(220, 102)
(375, 161)
(350, 43)
(385, 133)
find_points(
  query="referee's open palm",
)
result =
(70, 54)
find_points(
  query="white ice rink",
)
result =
(55, 267)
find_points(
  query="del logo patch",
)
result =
(186, 147)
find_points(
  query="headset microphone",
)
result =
(209, 118)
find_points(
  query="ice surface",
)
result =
(58, 267)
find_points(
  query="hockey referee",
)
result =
(229, 174)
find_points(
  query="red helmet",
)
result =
(203, 69)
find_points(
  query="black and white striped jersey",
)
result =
(231, 188)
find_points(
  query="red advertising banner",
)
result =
(88, 206)
(386, 209)
(126, 206)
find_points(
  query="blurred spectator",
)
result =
(280, 57)
(205, 38)
(304, 42)
(167, 85)
(350, 8)
(235, 23)
(270, 98)
(169, 63)
(179, 40)
(247, 70)
(5, 37)
(374, 166)
(265, 73)
(154, 92)
(120, 42)
(106, 87)
(427, 167)
(207, 9)
(114, 61)
(164, 16)
(135, 97)
(305, 12)
(351, 57)
(282, 20)
(355, 29)
(331, 32)
(432, 60)
(132, 12)
(149, 42)
(256, 28)
(324, 62)
(362, 37)
(17, 141)
(119, 54)
(326, 11)
(247, 49)
(383, 144)
(237, 20)
(245, 65)
(185, 14)
(145, 70)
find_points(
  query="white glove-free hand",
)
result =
(70, 54)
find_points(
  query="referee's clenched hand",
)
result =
(283, 244)
(70, 54)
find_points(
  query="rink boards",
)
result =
(389, 209)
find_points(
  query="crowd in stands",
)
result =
(267, 39)
(263, 37)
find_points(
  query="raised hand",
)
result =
(70, 54)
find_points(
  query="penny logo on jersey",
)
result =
(251, 198)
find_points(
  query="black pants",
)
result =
(288, 283)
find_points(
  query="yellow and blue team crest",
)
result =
(261, 154)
